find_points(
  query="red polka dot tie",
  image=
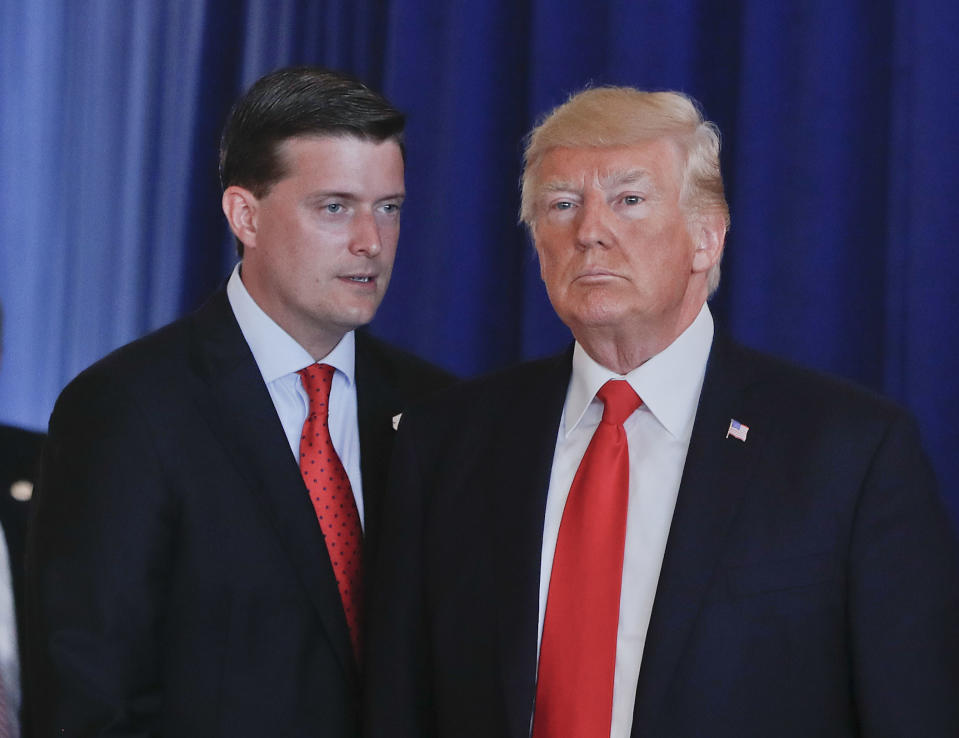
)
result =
(577, 661)
(332, 498)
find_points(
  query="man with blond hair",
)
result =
(658, 532)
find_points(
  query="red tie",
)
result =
(332, 497)
(577, 660)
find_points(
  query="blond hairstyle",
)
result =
(623, 116)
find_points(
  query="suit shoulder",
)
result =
(786, 385)
(19, 453)
(21, 439)
(140, 368)
(157, 345)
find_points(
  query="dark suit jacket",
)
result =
(178, 582)
(810, 585)
(19, 459)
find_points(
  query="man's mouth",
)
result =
(358, 279)
(596, 274)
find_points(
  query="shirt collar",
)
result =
(275, 351)
(669, 383)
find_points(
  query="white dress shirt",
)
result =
(658, 435)
(279, 357)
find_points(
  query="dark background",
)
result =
(839, 121)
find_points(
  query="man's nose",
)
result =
(366, 239)
(593, 226)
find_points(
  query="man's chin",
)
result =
(351, 318)
(596, 315)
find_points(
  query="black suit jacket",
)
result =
(178, 582)
(19, 459)
(810, 585)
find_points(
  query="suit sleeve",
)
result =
(904, 597)
(98, 567)
(398, 696)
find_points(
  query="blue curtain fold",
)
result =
(837, 121)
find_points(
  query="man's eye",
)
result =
(632, 200)
(334, 207)
(562, 205)
(391, 208)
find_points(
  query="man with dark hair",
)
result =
(210, 492)
(298, 102)
(658, 533)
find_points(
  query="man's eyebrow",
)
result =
(560, 185)
(327, 194)
(349, 196)
(607, 180)
(619, 177)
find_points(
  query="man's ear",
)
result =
(240, 208)
(709, 236)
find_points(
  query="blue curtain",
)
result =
(840, 165)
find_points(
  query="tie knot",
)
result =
(619, 401)
(317, 380)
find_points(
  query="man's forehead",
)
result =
(608, 166)
(606, 178)
(303, 153)
(314, 168)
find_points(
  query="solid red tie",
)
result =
(332, 498)
(577, 661)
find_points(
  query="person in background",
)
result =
(210, 493)
(19, 457)
(658, 532)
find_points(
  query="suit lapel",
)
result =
(518, 483)
(239, 410)
(377, 401)
(715, 476)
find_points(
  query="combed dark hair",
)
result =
(298, 101)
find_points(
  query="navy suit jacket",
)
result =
(19, 459)
(178, 582)
(810, 585)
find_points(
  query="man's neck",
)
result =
(622, 349)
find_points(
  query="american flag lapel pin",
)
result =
(737, 430)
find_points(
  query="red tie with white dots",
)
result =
(332, 498)
(577, 658)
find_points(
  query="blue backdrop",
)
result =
(839, 154)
